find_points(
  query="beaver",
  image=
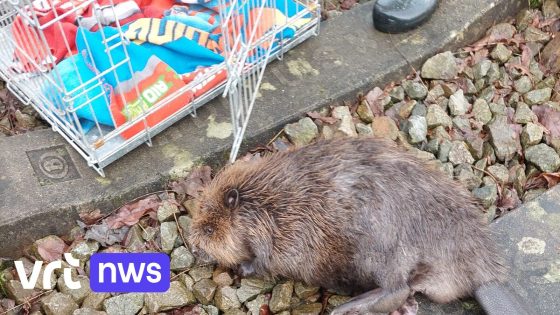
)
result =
(353, 215)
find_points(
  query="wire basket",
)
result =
(108, 75)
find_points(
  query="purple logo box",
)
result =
(129, 272)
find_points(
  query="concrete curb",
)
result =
(348, 57)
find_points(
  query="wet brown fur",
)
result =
(349, 214)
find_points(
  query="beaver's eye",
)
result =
(208, 230)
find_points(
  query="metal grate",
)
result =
(102, 72)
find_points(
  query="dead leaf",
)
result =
(90, 217)
(545, 180)
(509, 200)
(51, 248)
(373, 98)
(347, 4)
(526, 56)
(479, 55)
(519, 67)
(327, 120)
(194, 183)
(264, 310)
(105, 235)
(549, 118)
(131, 213)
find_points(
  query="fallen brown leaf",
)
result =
(194, 183)
(373, 98)
(549, 118)
(509, 200)
(90, 217)
(347, 4)
(131, 213)
(51, 249)
(327, 120)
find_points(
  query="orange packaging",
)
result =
(156, 82)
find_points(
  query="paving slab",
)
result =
(44, 182)
(530, 240)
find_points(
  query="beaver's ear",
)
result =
(231, 198)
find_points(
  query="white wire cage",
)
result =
(108, 75)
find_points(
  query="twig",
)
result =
(275, 137)
(180, 229)
(493, 178)
(185, 271)
(26, 302)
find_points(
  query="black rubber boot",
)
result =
(398, 16)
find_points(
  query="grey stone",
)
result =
(201, 272)
(58, 304)
(458, 104)
(385, 127)
(254, 305)
(415, 90)
(487, 195)
(487, 93)
(503, 138)
(419, 110)
(88, 311)
(434, 93)
(169, 235)
(480, 166)
(476, 146)
(211, 309)
(418, 129)
(177, 296)
(337, 300)
(185, 224)
(364, 130)
(498, 108)
(550, 9)
(525, 18)
(281, 296)
(501, 31)
(204, 290)
(543, 157)
(436, 116)
(397, 93)
(439, 133)
(304, 291)
(501, 53)
(364, 112)
(124, 304)
(466, 176)
(533, 34)
(432, 146)
(523, 114)
(546, 82)
(532, 134)
(79, 295)
(167, 211)
(181, 258)
(404, 108)
(523, 84)
(25, 120)
(16, 292)
(308, 309)
(422, 155)
(536, 71)
(149, 233)
(346, 124)
(301, 132)
(500, 172)
(187, 281)
(83, 250)
(95, 300)
(462, 123)
(226, 298)
(444, 149)
(251, 287)
(480, 70)
(441, 66)
(460, 154)
(481, 111)
(536, 97)
(235, 312)
(222, 279)
(533, 194)
(494, 73)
